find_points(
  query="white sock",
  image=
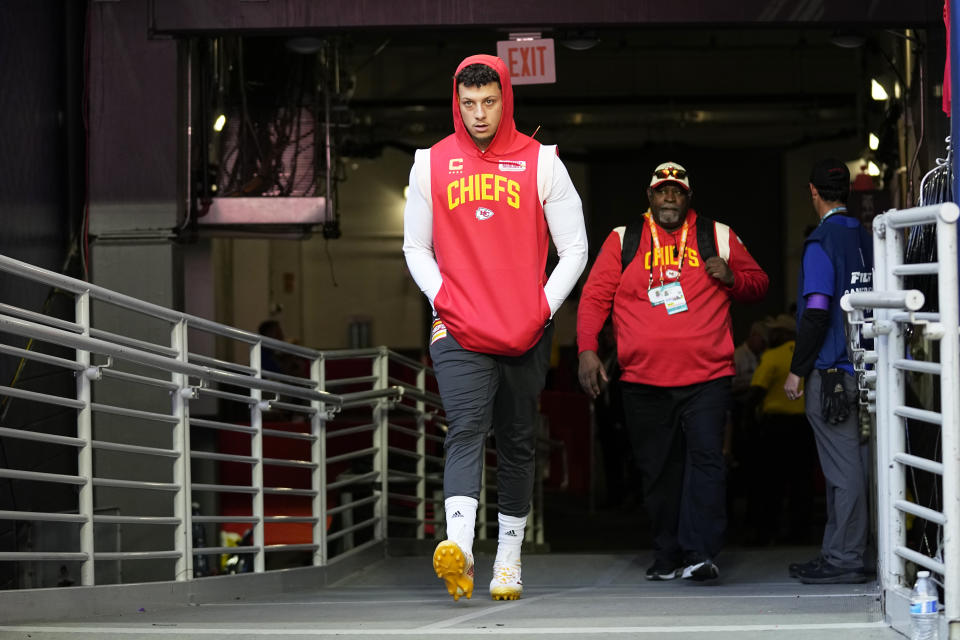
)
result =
(510, 538)
(461, 514)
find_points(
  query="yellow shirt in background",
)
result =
(770, 374)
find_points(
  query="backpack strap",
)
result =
(713, 238)
(705, 238)
(722, 240)
(630, 242)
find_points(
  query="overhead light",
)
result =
(847, 39)
(580, 40)
(305, 45)
(874, 142)
(524, 36)
(580, 44)
(873, 169)
(218, 125)
(877, 92)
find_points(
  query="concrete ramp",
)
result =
(566, 596)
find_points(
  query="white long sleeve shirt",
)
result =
(562, 209)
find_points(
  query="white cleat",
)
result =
(506, 583)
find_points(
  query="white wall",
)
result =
(363, 274)
(316, 287)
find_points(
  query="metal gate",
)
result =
(887, 315)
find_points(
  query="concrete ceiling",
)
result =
(716, 74)
(738, 87)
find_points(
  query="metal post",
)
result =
(256, 451)
(885, 465)
(421, 456)
(950, 410)
(85, 454)
(318, 456)
(895, 396)
(183, 500)
(381, 437)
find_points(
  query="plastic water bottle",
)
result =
(923, 609)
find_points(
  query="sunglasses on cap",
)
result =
(670, 172)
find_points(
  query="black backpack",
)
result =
(706, 240)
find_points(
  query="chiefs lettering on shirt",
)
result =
(653, 347)
(487, 212)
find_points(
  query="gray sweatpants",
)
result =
(482, 391)
(843, 460)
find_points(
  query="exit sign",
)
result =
(529, 61)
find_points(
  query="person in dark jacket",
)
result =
(837, 259)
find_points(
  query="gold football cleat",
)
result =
(455, 568)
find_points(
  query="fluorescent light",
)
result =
(305, 45)
(221, 120)
(874, 142)
(873, 169)
(877, 92)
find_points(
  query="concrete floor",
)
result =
(567, 595)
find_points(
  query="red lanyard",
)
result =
(655, 241)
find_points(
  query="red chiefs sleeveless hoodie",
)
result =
(490, 236)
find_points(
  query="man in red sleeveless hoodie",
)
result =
(482, 207)
(671, 315)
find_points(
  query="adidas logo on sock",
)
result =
(511, 533)
(457, 514)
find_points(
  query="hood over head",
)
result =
(507, 139)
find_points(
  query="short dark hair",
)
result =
(269, 328)
(477, 75)
(834, 194)
(832, 179)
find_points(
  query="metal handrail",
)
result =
(57, 336)
(395, 480)
(73, 285)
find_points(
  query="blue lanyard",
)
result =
(830, 213)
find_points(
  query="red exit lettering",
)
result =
(529, 61)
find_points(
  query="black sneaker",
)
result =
(796, 568)
(827, 573)
(662, 570)
(700, 571)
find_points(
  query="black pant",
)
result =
(481, 391)
(677, 438)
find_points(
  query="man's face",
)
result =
(481, 109)
(669, 203)
(815, 199)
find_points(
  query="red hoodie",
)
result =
(653, 347)
(490, 236)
